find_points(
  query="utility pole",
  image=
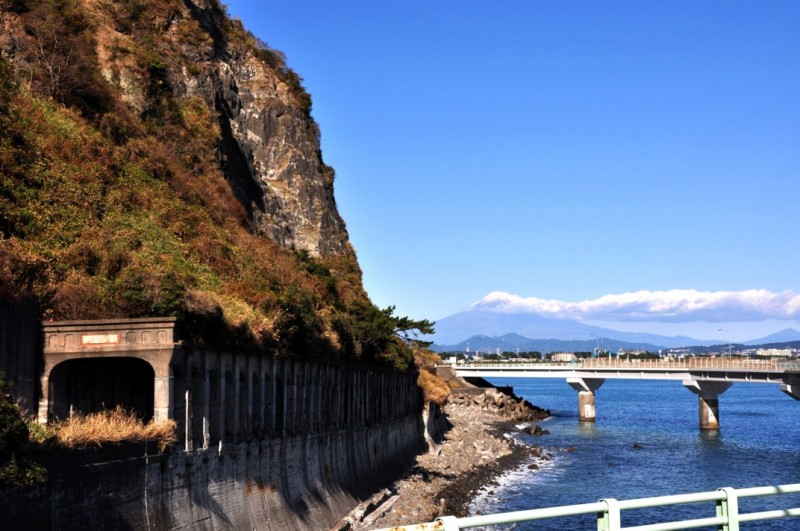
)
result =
(730, 345)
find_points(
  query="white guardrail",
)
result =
(609, 512)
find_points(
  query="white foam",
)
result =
(510, 482)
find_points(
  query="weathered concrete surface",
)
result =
(792, 385)
(151, 340)
(586, 388)
(303, 482)
(436, 426)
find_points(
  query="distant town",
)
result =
(787, 351)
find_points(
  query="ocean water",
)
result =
(758, 444)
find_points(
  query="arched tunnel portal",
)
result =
(89, 385)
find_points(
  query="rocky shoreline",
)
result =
(475, 450)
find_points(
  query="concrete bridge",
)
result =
(706, 377)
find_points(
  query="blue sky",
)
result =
(558, 150)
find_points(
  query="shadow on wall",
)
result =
(21, 350)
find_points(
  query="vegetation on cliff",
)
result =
(434, 388)
(118, 199)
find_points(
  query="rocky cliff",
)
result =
(158, 159)
(268, 143)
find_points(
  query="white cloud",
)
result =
(670, 305)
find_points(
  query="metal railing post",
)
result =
(450, 523)
(610, 519)
(728, 507)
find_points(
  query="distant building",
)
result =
(563, 356)
(774, 352)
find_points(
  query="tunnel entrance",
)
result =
(89, 385)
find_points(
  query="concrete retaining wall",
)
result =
(303, 481)
(263, 443)
(218, 397)
(436, 426)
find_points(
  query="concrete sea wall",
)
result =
(329, 438)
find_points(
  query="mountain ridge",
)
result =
(456, 330)
(782, 336)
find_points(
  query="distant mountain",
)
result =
(454, 329)
(784, 336)
(462, 325)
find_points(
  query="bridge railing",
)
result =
(789, 365)
(608, 512)
(663, 363)
(691, 363)
(535, 365)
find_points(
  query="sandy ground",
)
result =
(475, 451)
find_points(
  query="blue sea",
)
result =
(758, 444)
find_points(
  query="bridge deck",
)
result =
(712, 369)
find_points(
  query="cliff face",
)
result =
(274, 159)
(269, 144)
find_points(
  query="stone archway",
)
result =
(89, 385)
(94, 364)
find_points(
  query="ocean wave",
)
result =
(507, 486)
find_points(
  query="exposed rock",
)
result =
(535, 429)
(491, 400)
(268, 143)
(274, 158)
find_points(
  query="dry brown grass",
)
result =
(434, 389)
(112, 426)
(425, 358)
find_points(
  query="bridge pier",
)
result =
(708, 401)
(791, 385)
(586, 401)
(792, 390)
